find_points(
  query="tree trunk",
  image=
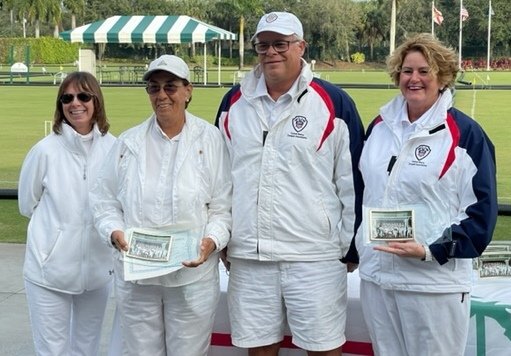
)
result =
(37, 30)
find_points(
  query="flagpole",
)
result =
(461, 30)
(489, 32)
(393, 27)
(432, 18)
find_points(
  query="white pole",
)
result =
(219, 48)
(461, 30)
(393, 27)
(205, 64)
(489, 32)
(432, 17)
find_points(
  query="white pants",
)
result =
(404, 323)
(164, 321)
(66, 324)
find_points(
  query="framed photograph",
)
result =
(149, 246)
(391, 225)
(494, 264)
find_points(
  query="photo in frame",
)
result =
(151, 247)
(391, 225)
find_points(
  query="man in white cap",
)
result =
(294, 142)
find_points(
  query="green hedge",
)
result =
(42, 50)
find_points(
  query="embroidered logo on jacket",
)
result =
(299, 123)
(422, 152)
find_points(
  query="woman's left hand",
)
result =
(403, 249)
(207, 246)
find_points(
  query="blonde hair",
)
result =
(442, 60)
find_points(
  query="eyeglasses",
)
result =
(169, 89)
(279, 46)
(83, 97)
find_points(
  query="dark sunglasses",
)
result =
(83, 97)
(169, 89)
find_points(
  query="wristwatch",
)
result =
(428, 257)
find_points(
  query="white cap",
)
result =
(168, 63)
(284, 23)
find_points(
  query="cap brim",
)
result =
(270, 29)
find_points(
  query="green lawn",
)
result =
(25, 109)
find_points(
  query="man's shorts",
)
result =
(310, 297)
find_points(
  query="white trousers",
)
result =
(403, 323)
(164, 321)
(66, 324)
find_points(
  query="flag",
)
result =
(491, 11)
(463, 13)
(437, 16)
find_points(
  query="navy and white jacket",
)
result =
(296, 186)
(445, 171)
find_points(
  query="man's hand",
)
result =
(207, 246)
(118, 241)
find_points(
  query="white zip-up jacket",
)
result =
(445, 171)
(201, 191)
(297, 189)
(64, 251)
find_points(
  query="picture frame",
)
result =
(149, 246)
(391, 225)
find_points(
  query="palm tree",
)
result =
(34, 11)
(75, 7)
(54, 15)
(243, 8)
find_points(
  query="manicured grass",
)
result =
(25, 109)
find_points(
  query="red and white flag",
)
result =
(463, 14)
(437, 16)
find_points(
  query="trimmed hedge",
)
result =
(42, 50)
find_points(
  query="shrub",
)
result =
(358, 58)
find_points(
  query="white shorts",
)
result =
(403, 323)
(310, 295)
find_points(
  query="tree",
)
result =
(34, 11)
(75, 7)
(329, 27)
(243, 9)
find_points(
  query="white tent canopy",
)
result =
(150, 29)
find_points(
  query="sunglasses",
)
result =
(169, 89)
(83, 97)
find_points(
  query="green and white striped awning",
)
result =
(147, 29)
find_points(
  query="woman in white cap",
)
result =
(170, 170)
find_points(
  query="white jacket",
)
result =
(296, 185)
(445, 171)
(64, 251)
(201, 189)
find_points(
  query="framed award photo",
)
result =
(391, 225)
(149, 246)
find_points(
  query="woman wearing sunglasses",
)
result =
(171, 170)
(67, 269)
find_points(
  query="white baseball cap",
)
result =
(284, 23)
(168, 63)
